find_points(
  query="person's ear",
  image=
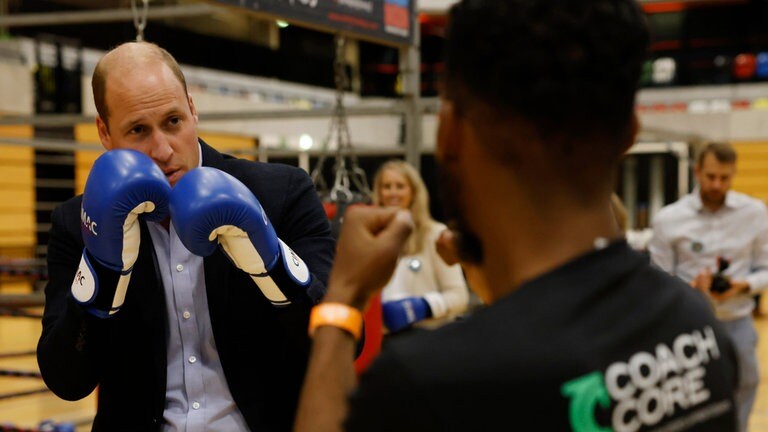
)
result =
(103, 129)
(192, 108)
(448, 134)
(634, 129)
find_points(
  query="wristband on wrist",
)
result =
(338, 315)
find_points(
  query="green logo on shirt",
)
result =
(647, 388)
(586, 393)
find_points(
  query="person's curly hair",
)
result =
(568, 67)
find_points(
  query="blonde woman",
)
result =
(424, 291)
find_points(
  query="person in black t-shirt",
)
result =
(581, 333)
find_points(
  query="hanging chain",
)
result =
(341, 182)
(140, 19)
(339, 74)
(344, 176)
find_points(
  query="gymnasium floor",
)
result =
(19, 335)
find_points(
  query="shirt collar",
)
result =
(731, 200)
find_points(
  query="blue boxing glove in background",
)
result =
(210, 207)
(122, 186)
(400, 314)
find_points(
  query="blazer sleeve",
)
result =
(305, 228)
(64, 350)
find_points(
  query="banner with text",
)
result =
(380, 20)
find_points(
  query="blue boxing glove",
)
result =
(122, 185)
(401, 314)
(210, 207)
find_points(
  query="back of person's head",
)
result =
(419, 206)
(567, 68)
(723, 152)
(124, 58)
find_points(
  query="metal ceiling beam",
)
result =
(683, 1)
(72, 119)
(103, 15)
(393, 109)
(48, 144)
(22, 300)
(55, 120)
(361, 149)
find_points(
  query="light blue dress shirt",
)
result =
(197, 396)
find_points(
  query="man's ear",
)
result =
(449, 132)
(634, 129)
(192, 108)
(103, 129)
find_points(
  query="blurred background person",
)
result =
(717, 240)
(424, 291)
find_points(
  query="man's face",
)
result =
(714, 179)
(149, 111)
(469, 244)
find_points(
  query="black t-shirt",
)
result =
(605, 342)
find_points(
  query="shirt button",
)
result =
(195, 405)
(179, 267)
(186, 314)
(192, 359)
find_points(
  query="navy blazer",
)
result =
(263, 349)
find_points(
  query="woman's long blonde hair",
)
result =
(419, 203)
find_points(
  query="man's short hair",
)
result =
(724, 153)
(571, 67)
(100, 73)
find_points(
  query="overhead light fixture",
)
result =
(281, 23)
(305, 142)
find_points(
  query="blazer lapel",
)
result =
(148, 281)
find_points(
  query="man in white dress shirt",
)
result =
(710, 224)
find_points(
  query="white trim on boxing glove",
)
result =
(437, 304)
(239, 248)
(294, 268)
(86, 288)
(270, 290)
(237, 245)
(294, 265)
(86, 284)
(132, 233)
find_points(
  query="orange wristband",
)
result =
(337, 315)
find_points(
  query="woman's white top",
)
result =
(426, 275)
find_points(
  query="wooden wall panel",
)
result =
(86, 134)
(752, 175)
(230, 144)
(17, 194)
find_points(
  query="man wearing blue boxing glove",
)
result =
(211, 207)
(111, 234)
(177, 341)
